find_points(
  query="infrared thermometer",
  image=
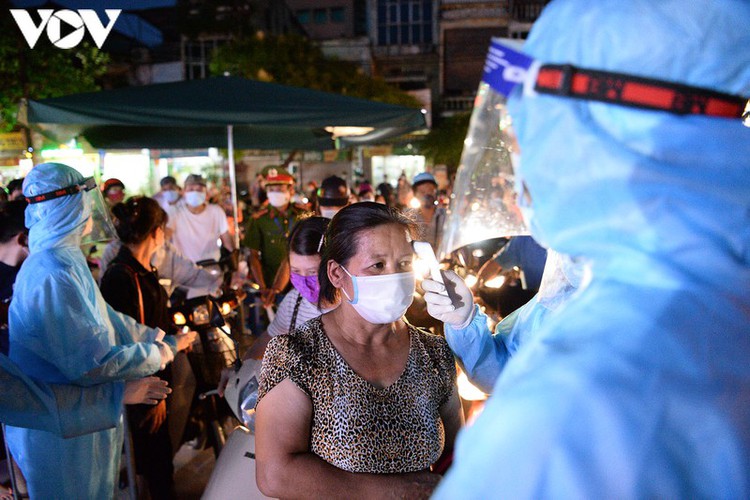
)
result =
(424, 251)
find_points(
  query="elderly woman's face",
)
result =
(382, 250)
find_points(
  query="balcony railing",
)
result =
(457, 104)
(526, 11)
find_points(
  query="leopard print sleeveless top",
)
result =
(356, 426)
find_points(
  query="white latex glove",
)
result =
(165, 352)
(147, 391)
(455, 309)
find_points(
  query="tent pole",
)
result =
(233, 184)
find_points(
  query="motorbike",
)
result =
(219, 322)
(234, 473)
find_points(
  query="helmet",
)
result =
(333, 192)
(422, 178)
(110, 183)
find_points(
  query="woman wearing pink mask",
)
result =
(357, 402)
(301, 303)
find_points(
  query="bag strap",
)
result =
(294, 313)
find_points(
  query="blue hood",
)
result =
(54, 223)
(673, 197)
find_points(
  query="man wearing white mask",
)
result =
(169, 194)
(195, 226)
(268, 231)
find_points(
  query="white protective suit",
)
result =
(62, 331)
(638, 387)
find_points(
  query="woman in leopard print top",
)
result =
(404, 429)
(353, 406)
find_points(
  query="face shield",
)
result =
(99, 226)
(485, 201)
(489, 195)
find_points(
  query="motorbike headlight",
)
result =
(495, 282)
(179, 319)
(226, 308)
(470, 280)
(201, 315)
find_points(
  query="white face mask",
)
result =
(278, 199)
(195, 198)
(328, 213)
(171, 196)
(381, 299)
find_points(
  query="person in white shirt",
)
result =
(195, 225)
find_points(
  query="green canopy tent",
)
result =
(222, 110)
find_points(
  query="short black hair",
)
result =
(137, 218)
(341, 240)
(306, 235)
(12, 220)
(167, 180)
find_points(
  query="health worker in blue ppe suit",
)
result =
(483, 355)
(69, 410)
(638, 386)
(63, 332)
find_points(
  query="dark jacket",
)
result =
(120, 291)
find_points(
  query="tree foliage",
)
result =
(294, 60)
(41, 72)
(445, 142)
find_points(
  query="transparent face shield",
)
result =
(485, 201)
(99, 227)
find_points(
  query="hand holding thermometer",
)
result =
(424, 251)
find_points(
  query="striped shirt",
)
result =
(281, 324)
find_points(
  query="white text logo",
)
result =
(497, 58)
(78, 21)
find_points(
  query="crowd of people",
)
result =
(626, 376)
(164, 236)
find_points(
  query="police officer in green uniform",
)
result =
(267, 233)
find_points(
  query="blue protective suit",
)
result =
(65, 410)
(62, 331)
(638, 387)
(482, 355)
